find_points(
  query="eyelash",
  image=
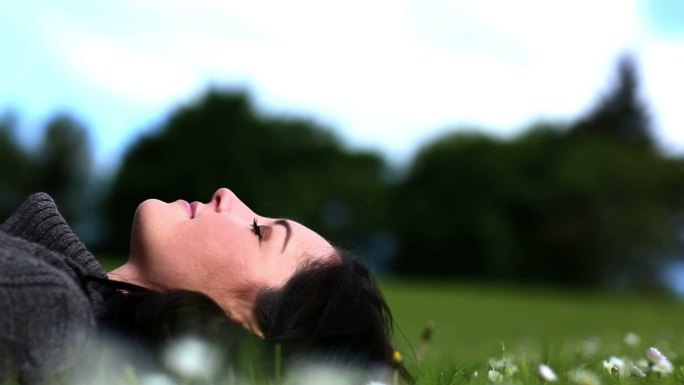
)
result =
(256, 229)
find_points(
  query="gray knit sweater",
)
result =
(47, 310)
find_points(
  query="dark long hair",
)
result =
(332, 312)
(330, 309)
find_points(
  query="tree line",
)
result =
(590, 202)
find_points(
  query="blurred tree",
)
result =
(466, 202)
(588, 204)
(279, 167)
(59, 165)
(15, 166)
(609, 217)
(538, 208)
(620, 116)
(62, 165)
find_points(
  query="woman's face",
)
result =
(217, 248)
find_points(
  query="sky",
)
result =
(386, 75)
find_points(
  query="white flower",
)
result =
(497, 363)
(504, 365)
(191, 357)
(584, 377)
(660, 363)
(308, 374)
(664, 367)
(632, 339)
(614, 365)
(547, 374)
(475, 374)
(654, 355)
(642, 364)
(510, 370)
(494, 376)
(156, 379)
(636, 371)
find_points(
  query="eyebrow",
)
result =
(288, 231)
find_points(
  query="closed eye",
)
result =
(263, 232)
(257, 230)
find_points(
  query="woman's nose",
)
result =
(222, 199)
(225, 200)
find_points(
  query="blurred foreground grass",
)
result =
(479, 328)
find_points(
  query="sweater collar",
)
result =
(38, 220)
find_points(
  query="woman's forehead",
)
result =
(307, 241)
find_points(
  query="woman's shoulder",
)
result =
(46, 317)
(28, 266)
(23, 264)
(39, 221)
(34, 209)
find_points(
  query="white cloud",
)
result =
(142, 79)
(386, 72)
(664, 90)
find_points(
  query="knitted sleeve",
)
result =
(49, 238)
(45, 319)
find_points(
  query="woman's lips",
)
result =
(187, 207)
(193, 208)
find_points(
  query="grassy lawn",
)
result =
(559, 328)
(479, 328)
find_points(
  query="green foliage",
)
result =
(540, 207)
(60, 166)
(280, 167)
(63, 164)
(15, 171)
(620, 116)
(593, 203)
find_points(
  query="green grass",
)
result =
(474, 323)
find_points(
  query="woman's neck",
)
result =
(130, 274)
(238, 305)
